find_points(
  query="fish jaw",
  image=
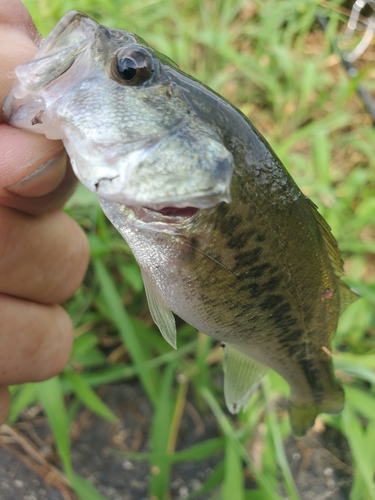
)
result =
(167, 221)
(121, 173)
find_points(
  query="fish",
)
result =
(224, 237)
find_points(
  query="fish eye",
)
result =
(132, 67)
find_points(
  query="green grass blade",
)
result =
(160, 436)
(52, 398)
(212, 482)
(199, 451)
(88, 396)
(123, 322)
(196, 452)
(362, 401)
(123, 372)
(228, 431)
(357, 369)
(85, 489)
(233, 486)
(363, 485)
(279, 446)
(25, 396)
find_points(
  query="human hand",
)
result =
(43, 253)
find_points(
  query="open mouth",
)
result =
(174, 212)
(165, 215)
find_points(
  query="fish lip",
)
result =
(16, 111)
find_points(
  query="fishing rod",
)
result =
(348, 58)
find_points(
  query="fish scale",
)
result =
(223, 235)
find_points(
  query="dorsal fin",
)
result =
(347, 296)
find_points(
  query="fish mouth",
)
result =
(166, 215)
(169, 220)
(175, 212)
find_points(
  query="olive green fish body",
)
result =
(255, 273)
(224, 237)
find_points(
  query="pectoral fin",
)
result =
(242, 376)
(161, 314)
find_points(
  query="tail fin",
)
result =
(303, 413)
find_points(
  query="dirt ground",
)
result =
(29, 468)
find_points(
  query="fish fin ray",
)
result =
(303, 414)
(347, 295)
(242, 376)
(160, 312)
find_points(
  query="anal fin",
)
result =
(242, 376)
(160, 312)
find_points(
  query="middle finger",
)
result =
(41, 258)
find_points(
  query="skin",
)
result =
(43, 253)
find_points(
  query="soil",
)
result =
(29, 468)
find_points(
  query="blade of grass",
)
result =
(362, 372)
(278, 445)
(196, 452)
(123, 322)
(25, 396)
(160, 436)
(362, 401)
(363, 484)
(233, 486)
(123, 372)
(88, 396)
(84, 488)
(177, 414)
(212, 482)
(228, 431)
(52, 398)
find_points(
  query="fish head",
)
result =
(130, 120)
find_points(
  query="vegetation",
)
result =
(273, 61)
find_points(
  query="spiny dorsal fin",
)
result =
(242, 376)
(160, 312)
(347, 296)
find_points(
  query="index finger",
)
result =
(21, 152)
(14, 13)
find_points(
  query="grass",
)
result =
(273, 62)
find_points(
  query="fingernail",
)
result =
(44, 179)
